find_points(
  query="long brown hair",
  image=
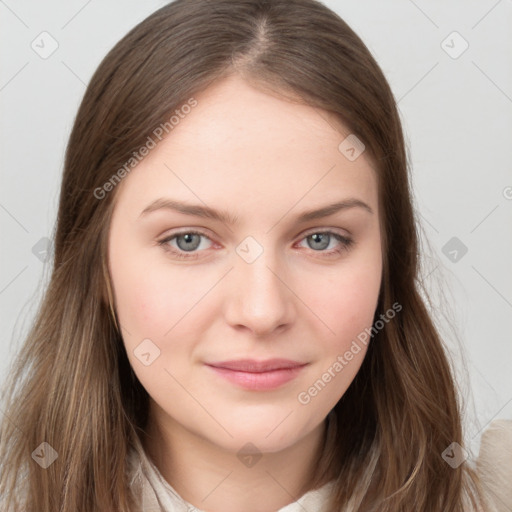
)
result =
(72, 386)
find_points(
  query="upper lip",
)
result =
(254, 366)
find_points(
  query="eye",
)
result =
(318, 241)
(187, 243)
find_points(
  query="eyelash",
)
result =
(346, 244)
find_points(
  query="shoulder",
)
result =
(494, 464)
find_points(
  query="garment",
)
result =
(494, 466)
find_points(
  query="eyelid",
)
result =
(339, 231)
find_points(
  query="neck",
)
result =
(213, 478)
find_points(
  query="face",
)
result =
(195, 292)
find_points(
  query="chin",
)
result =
(256, 441)
(270, 433)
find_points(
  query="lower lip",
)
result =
(259, 381)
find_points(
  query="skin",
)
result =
(266, 160)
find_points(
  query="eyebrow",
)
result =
(227, 218)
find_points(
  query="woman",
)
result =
(283, 361)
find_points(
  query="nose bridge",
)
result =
(261, 300)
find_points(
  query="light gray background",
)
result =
(457, 116)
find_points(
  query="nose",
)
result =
(259, 298)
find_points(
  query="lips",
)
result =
(253, 366)
(258, 375)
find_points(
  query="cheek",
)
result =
(152, 299)
(346, 305)
(154, 304)
(344, 301)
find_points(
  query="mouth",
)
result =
(258, 375)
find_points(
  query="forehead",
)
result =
(243, 146)
(235, 113)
